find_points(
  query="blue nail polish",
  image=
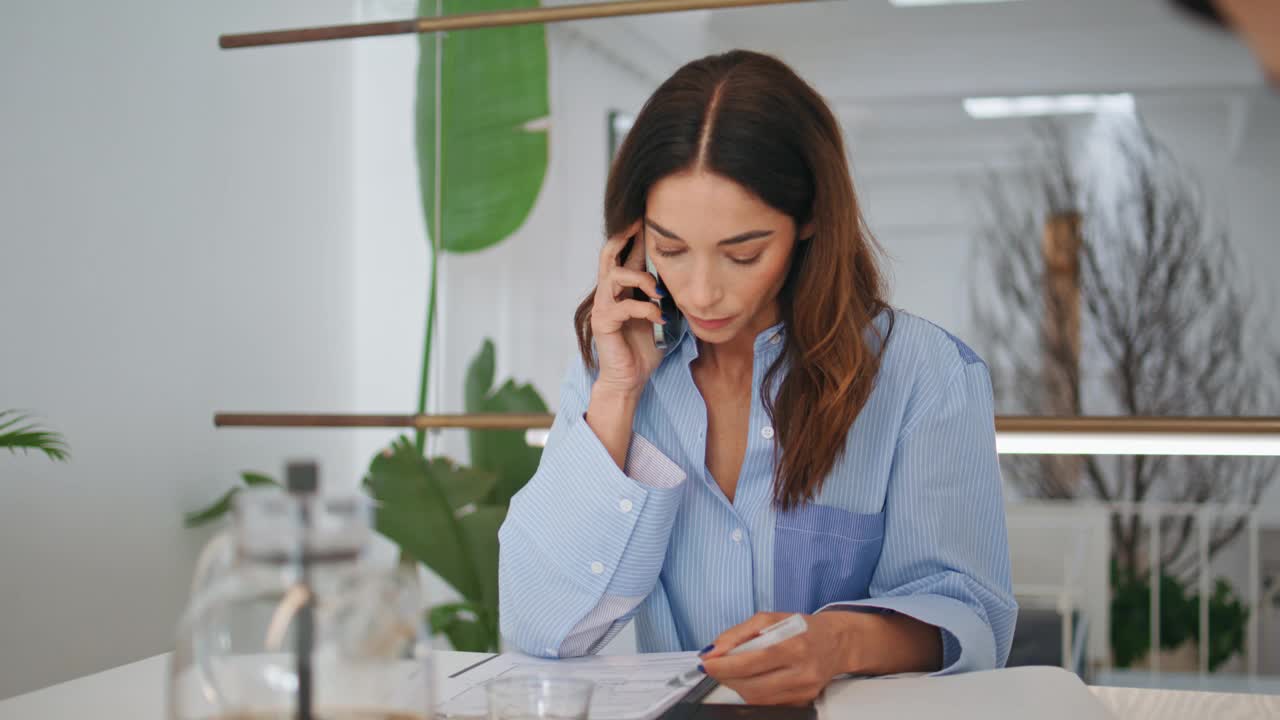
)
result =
(707, 649)
(660, 291)
(702, 670)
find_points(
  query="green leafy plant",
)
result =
(1179, 617)
(18, 431)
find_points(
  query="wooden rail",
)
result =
(469, 21)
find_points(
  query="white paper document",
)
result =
(628, 687)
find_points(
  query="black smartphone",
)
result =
(664, 336)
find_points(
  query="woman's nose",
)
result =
(704, 292)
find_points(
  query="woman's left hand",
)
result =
(793, 672)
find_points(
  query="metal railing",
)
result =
(1072, 541)
(1204, 516)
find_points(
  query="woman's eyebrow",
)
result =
(736, 239)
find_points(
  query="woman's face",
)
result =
(722, 253)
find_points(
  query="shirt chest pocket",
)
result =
(823, 554)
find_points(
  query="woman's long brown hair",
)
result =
(747, 117)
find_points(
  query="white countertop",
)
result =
(136, 692)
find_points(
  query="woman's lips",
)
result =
(709, 324)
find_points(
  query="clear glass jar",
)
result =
(288, 618)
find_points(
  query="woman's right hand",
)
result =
(622, 325)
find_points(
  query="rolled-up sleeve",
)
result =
(583, 542)
(945, 559)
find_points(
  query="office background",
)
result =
(188, 230)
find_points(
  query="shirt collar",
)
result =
(687, 343)
(770, 337)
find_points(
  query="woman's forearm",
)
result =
(883, 644)
(610, 417)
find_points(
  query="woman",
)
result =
(800, 447)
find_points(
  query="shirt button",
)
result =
(766, 432)
(597, 567)
(624, 505)
(736, 535)
(777, 338)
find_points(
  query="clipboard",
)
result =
(692, 698)
(691, 707)
(718, 711)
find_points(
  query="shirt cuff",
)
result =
(967, 641)
(648, 466)
(598, 627)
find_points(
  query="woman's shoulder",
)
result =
(921, 365)
(917, 348)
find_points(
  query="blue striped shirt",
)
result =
(910, 519)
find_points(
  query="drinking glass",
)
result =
(539, 697)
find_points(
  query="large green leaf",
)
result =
(433, 511)
(493, 131)
(481, 530)
(505, 453)
(479, 376)
(462, 486)
(474, 625)
(414, 512)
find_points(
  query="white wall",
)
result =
(174, 240)
(390, 264)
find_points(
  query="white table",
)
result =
(136, 692)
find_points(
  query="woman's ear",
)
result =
(805, 233)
